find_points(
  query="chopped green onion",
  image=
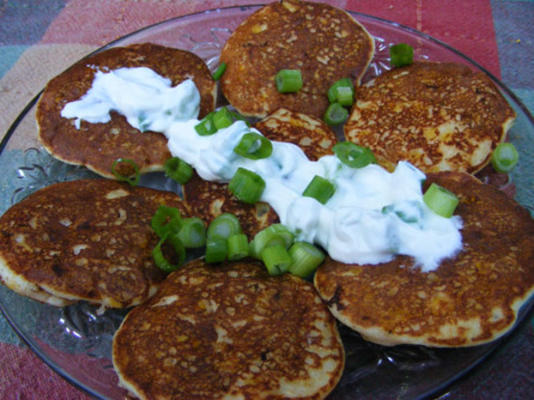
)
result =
(353, 155)
(410, 212)
(166, 220)
(440, 200)
(216, 250)
(206, 126)
(276, 259)
(276, 234)
(131, 178)
(222, 118)
(288, 80)
(178, 170)
(345, 96)
(254, 146)
(283, 232)
(333, 92)
(335, 114)
(504, 157)
(237, 246)
(224, 226)
(320, 189)
(252, 249)
(239, 117)
(219, 71)
(143, 123)
(401, 54)
(159, 258)
(306, 258)
(246, 185)
(192, 233)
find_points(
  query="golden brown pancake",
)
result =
(229, 331)
(323, 42)
(83, 240)
(210, 199)
(470, 299)
(97, 146)
(311, 134)
(438, 116)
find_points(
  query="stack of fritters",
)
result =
(230, 330)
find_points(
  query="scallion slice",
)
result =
(192, 233)
(254, 146)
(224, 226)
(306, 258)
(252, 250)
(401, 54)
(166, 220)
(440, 200)
(178, 170)
(237, 246)
(320, 189)
(159, 258)
(206, 126)
(222, 118)
(353, 155)
(335, 114)
(239, 117)
(345, 96)
(410, 215)
(132, 177)
(216, 250)
(288, 80)
(276, 259)
(219, 71)
(504, 157)
(276, 234)
(246, 185)
(333, 94)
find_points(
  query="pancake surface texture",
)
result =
(470, 299)
(310, 133)
(323, 42)
(97, 146)
(208, 200)
(438, 116)
(83, 240)
(229, 331)
(211, 199)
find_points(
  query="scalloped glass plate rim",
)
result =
(252, 7)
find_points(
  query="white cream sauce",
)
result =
(372, 216)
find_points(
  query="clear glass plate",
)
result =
(76, 342)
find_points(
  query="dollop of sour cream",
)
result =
(373, 215)
(145, 98)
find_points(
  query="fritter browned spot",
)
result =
(470, 299)
(229, 331)
(438, 116)
(311, 134)
(83, 240)
(323, 42)
(210, 199)
(97, 146)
